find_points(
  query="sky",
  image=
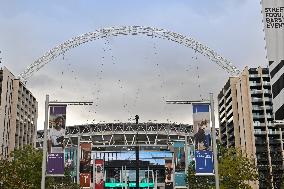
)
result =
(129, 75)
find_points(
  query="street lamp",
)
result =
(137, 153)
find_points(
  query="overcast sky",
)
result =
(129, 75)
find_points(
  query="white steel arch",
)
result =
(129, 30)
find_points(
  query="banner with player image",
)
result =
(99, 174)
(85, 164)
(169, 174)
(85, 157)
(201, 127)
(179, 155)
(56, 134)
(71, 160)
(57, 120)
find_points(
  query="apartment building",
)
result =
(18, 114)
(246, 122)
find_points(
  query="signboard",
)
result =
(273, 20)
(56, 134)
(55, 164)
(201, 127)
(168, 174)
(85, 179)
(99, 174)
(204, 162)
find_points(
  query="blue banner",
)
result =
(204, 162)
(201, 127)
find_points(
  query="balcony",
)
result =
(266, 83)
(273, 132)
(257, 132)
(221, 101)
(230, 120)
(267, 91)
(254, 75)
(256, 91)
(268, 99)
(228, 101)
(254, 84)
(258, 124)
(223, 136)
(255, 115)
(223, 129)
(269, 116)
(255, 107)
(256, 99)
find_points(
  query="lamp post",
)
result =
(43, 171)
(137, 153)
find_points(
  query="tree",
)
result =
(22, 170)
(236, 170)
(198, 182)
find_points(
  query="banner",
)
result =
(56, 134)
(201, 127)
(99, 174)
(55, 164)
(85, 164)
(85, 158)
(179, 156)
(273, 20)
(71, 160)
(190, 154)
(204, 163)
(85, 179)
(57, 119)
(169, 174)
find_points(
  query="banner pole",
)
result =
(94, 171)
(214, 145)
(186, 153)
(43, 171)
(78, 160)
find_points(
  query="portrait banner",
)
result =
(179, 156)
(99, 174)
(201, 127)
(85, 158)
(71, 160)
(56, 133)
(169, 174)
(55, 143)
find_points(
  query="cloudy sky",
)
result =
(129, 75)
